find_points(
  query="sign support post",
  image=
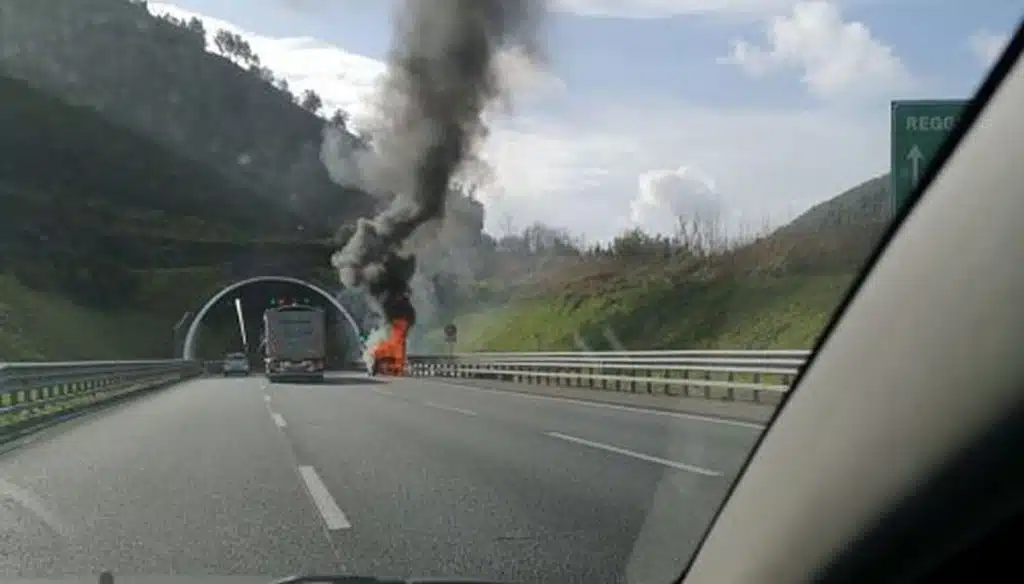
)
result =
(451, 333)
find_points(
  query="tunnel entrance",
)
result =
(260, 293)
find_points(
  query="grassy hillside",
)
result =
(776, 292)
(38, 325)
(865, 205)
(754, 313)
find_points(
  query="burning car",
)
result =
(388, 356)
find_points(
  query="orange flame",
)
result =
(389, 354)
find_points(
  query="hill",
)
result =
(84, 201)
(131, 152)
(155, 77)
(643, 292)
(865, 205)
(38, 325)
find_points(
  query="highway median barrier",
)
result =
(36, 395)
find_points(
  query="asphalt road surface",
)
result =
(403, 478)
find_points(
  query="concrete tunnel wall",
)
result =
(189, 348)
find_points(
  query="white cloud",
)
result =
(582, 169)
(837, 59)
(768, 164)
(665, 196)
(667, 8)
(987, 46)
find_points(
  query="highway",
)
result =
(390, 478)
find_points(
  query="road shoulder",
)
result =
(717, 408)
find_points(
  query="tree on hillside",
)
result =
(193, 29)
(263, 73)
(195, 26)
(700, 234)
(230, 44)
(541, 238)
(310, 101)
(282, 85)
(339, 118)
(638, 243)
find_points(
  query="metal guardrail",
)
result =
(36, 394)
(724, 374)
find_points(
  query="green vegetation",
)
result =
(643, 292)
(38, 325)
(755, 313)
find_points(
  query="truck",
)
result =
(294, 343)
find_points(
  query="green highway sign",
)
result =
(917, 128)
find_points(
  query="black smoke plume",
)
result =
(441, 76)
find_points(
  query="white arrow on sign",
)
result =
(915, 156)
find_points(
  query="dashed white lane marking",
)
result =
(638, 455)
(609, 406)
(279, 420)
(450, 408)
(329, 510)
(27, 500)
(266, 398)
(383, 391)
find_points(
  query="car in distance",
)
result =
(236, 364)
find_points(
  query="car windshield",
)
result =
(502, 289)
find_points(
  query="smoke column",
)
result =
(441, 76)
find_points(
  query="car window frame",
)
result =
(1009, 58)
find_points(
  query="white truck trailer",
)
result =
(294, 343)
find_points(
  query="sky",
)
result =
(647, 110)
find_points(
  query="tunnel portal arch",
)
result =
(189, 348)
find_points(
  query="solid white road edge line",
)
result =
(664, 462)
(278, 419)
(623, 408)
(450, 408)
(329, 510)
